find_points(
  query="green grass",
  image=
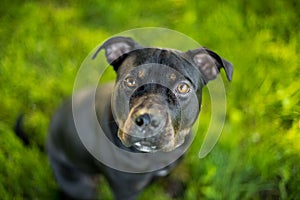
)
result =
(42, 44)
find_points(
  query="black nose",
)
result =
(143, 120)
(148, 120)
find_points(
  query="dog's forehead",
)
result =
(170, 58)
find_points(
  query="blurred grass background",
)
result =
(42, 44)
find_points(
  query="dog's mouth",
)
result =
(144, 146)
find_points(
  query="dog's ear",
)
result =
(210, 63)
(116, 47)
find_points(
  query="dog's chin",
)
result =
(142, 146)
(145, 147)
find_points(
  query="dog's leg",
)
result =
(127, 186)
(74, 183)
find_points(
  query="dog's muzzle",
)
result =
(145, 128)
(148, 126)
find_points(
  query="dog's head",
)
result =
(157, 95)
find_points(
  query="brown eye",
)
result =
(130, 82)
(183, 88)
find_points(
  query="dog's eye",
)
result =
(130, 82)
(183, 88)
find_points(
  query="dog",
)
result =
(142, 121)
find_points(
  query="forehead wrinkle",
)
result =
(174, 59)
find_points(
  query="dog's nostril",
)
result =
(154, 122)
(143, 120)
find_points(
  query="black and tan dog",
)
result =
(118, 129)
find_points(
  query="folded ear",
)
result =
(116, 47)
(210, 63)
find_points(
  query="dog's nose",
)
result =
(147, 120)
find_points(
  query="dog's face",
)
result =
(157, 95)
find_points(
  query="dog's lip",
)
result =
(145, 146)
